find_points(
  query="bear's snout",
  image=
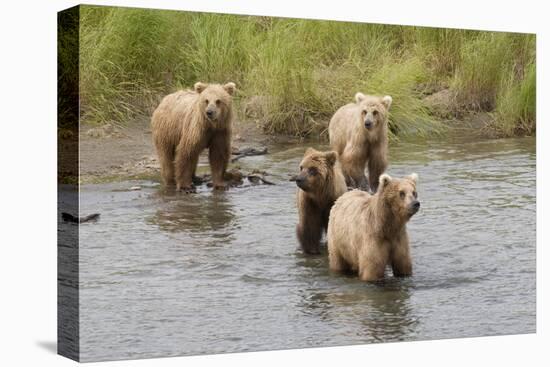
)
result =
(210, 114)
(415, 205)
(300, 181)
(368, 124)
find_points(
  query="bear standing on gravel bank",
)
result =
(320, 183)
(359, 133)
(187, 122)
(368, 232)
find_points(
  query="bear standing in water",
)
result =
(320, 183)
(187, 122)
(358, 132)
(368, 232)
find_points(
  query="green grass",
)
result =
(299, 72)
(487, 61)
(515, 112)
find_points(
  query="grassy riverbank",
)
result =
(293, 74)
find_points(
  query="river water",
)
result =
(166, 274)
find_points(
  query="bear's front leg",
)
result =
(371, 272)
(353, 167)
(218, 155)
(309, 232)
(401, 257)
(378, 162)
(363, 183)
(359, 178)
(372, 261)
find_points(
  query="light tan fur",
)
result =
(358, 146)
(368, 232)
(320, 183)
(181, 130)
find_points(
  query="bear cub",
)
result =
(187, 122)
(320, 182)
(358, 132)
(368, 232)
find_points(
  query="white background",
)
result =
(28, 180)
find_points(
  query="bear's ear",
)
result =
(384, 180)
(310, 150)
(413, 177)
(331, 157)
(386, 101)
(230, 88)
(359, 97)
(199, 87)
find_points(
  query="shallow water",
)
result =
(165, 274)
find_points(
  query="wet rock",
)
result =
(259, 172)
(235, 177)
(257, 179)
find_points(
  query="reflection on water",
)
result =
(384, 315)
(163, 273)
(193, 213)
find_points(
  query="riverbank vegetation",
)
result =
(293, 74)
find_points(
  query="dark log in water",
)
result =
(71, 218)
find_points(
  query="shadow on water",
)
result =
(376, 312)
(379, 311)
(384, 314)
(195, 213)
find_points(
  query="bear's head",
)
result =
(374, 110)
(399, 195)
(316, 170)
(215, 99)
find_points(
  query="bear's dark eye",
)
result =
(415, 194)
(402, 194)
(312, 171)
(218, 101)
(375, 112)
(364, 112)
(206, 101)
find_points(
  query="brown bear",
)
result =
(367, 232)
(320, 183)
(184, 124)
(359, 133)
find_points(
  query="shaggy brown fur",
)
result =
(359, 133)
(368, 232)
(184, 124)
(320, 183)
